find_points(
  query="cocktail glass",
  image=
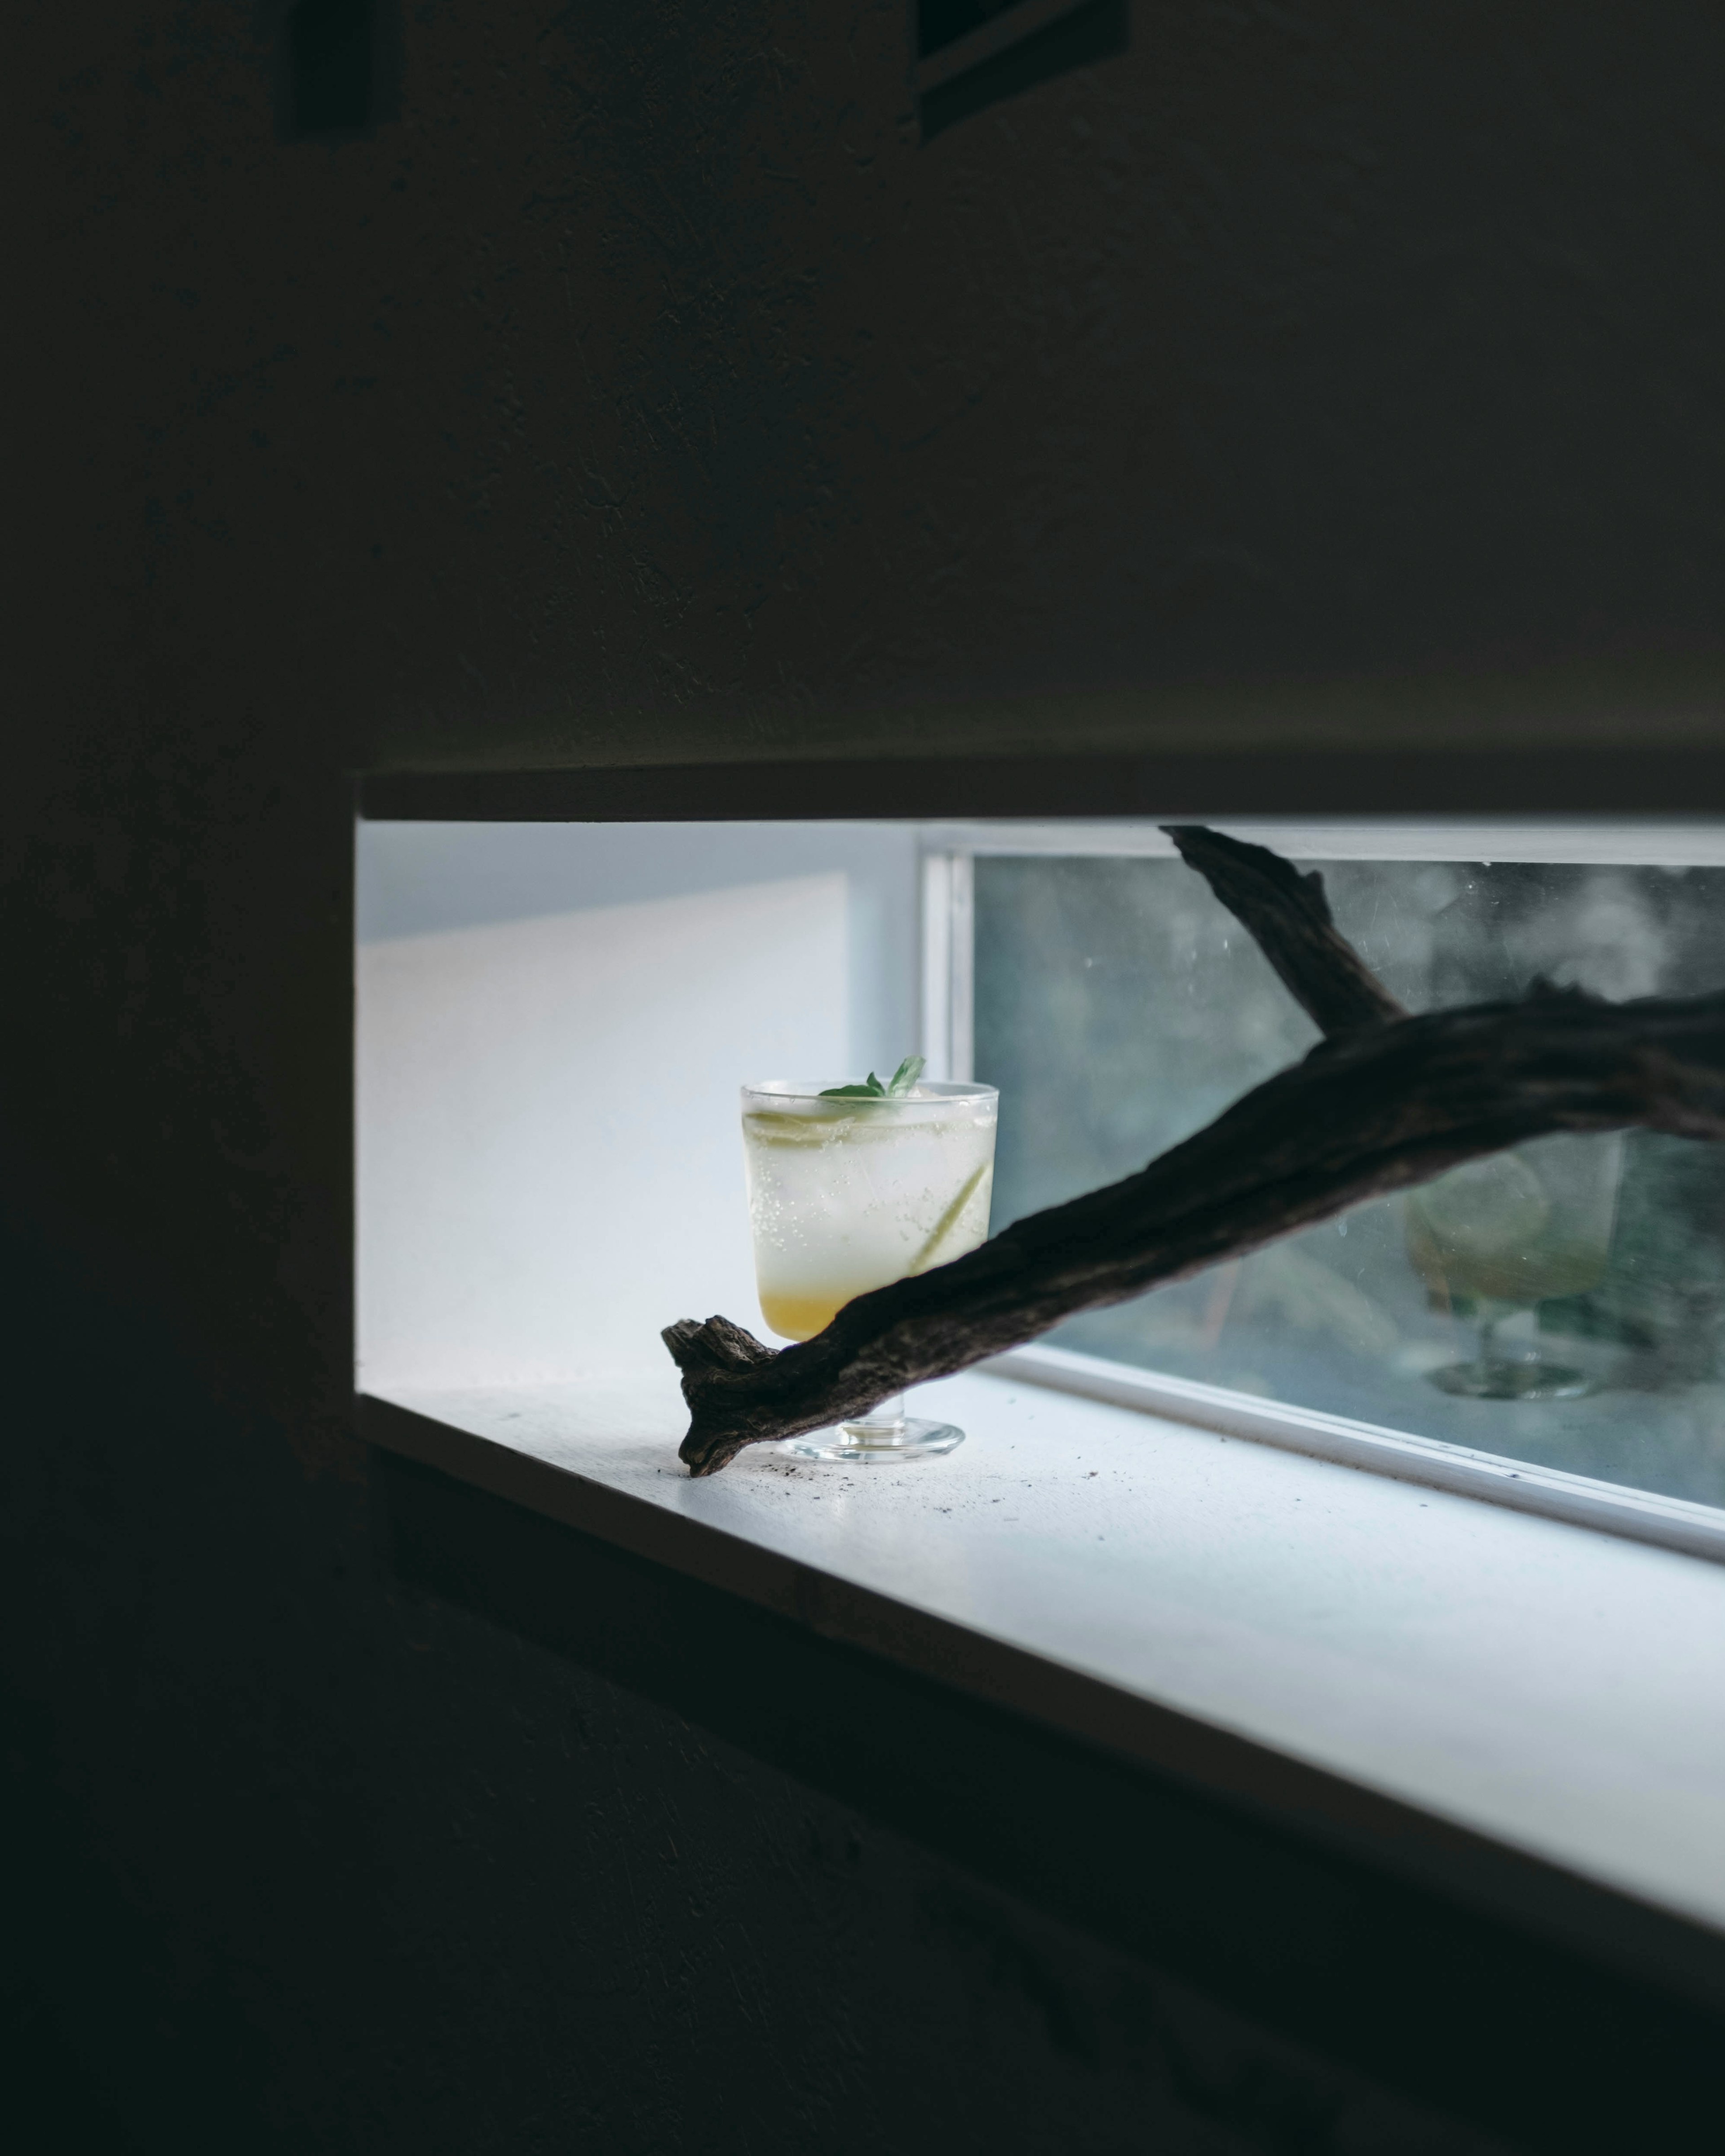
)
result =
(846, 1195)
(1510, 1231)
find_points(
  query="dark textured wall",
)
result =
(646, 368)
(642, 389)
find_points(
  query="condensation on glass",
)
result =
(1562, 1305)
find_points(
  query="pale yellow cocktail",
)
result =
(845, 1196)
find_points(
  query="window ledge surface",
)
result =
(1519, 1710)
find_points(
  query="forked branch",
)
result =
(1370, 1112)
(1288, 917)
(1386, 1102)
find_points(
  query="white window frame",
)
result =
(948, 854)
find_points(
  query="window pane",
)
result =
(1119, 1008)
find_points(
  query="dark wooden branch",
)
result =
(1380, 1107)
(1385, 1101)
(1287, 915)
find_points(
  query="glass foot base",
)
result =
(858, 1446)
(1512, 1381)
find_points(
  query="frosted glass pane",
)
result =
(1119, 1008)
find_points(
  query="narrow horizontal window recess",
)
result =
(1233, 1527)
(555, 1019)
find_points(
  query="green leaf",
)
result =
(900, 1082)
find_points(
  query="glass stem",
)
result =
(1488, 1340)
(885, 1420)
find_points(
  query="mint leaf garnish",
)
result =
(870, 1089)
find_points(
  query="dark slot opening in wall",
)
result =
(332, 50)
(940, 22)
(1097, 31)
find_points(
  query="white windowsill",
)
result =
(1642, 1515)
(1519, 1710)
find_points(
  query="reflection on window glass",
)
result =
(1562, 1304)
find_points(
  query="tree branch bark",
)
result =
(1287, 915)
(1379, 1106)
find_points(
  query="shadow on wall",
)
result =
(339, 69)
(972, 54)
(339, 64)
